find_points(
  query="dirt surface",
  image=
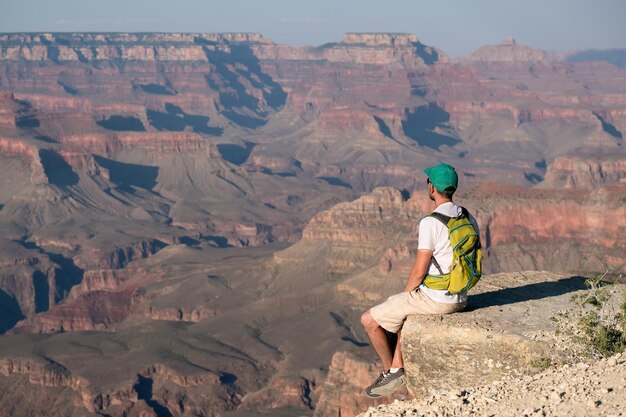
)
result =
(582, 389)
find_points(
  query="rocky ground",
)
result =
(582, 389)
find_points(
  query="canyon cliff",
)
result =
(191, 213)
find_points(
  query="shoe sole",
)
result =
(370, 395)
(387, 389)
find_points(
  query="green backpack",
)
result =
(467, 256)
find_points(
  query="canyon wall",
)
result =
(510, 218)
(151, 183)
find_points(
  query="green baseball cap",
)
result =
(443, 177)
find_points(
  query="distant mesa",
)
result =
(197, 47)
(90, 47)
(508, 51)
(380, 39)
(78, 38)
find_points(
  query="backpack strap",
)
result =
(443, 219)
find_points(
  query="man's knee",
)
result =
(367, 321)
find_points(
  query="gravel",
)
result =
(582, 389)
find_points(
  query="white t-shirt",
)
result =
(433, 235)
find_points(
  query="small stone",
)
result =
(612, 361)
(455, 393)
(555, 396)
(593, 403)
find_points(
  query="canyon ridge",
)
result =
(191, 224)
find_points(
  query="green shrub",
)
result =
(603, 328)
(541, 363)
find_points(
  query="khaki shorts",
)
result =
(390, 315)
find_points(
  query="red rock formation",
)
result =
(382, 225)
(8, 110)
(50, 374)
(187, 314)
(97, 143)
(377, 210)
(342, 392)
(99, 257)
(168, 387)
(581, 172)
(346, 119)
(80, 160)
(17, 147)
(149, 47)
(360, 48)
(158, 143)
(295, 393)
(52, 104)
(30, 155)
(96, 310)
(111, 279)
(155, 143)
(359, 98)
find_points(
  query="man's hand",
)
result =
(420, 269)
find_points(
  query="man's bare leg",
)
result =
(397, 354)
(378, 337)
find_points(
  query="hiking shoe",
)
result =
(385, 384)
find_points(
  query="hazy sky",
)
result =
(458, 27)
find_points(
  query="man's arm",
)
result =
(419, 270)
